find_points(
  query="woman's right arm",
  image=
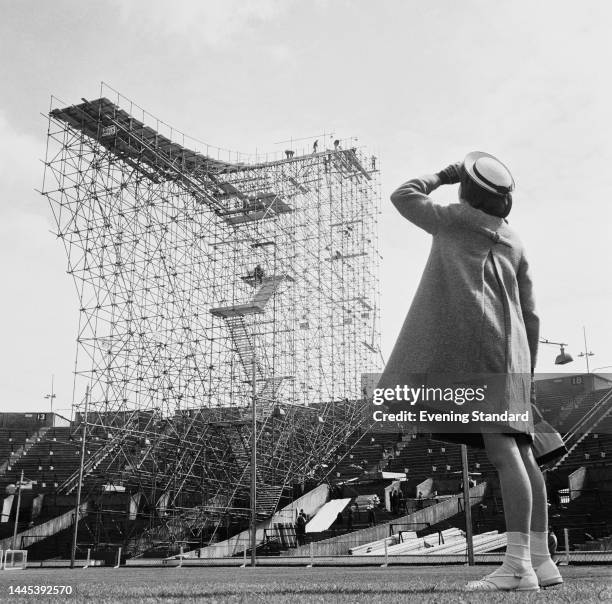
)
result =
(413, 202)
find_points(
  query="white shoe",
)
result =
(506, 581)
(548, 574)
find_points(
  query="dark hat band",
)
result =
(502, 190)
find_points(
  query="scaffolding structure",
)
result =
(200, 273)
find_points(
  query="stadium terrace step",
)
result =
(418, 457)
(19, 448)
(48, 459)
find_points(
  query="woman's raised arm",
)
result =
(413, 202)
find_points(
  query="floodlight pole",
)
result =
(586, 354)
(253, 462)
(466, 506)
(78, 501)
(52, 395)
(17, 511)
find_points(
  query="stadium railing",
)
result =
(585, 544)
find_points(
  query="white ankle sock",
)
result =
(517, 559)
(538, 548)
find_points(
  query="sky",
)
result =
(420, 84)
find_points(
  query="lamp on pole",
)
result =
(586, 354)
(51, 396)
(563, 357)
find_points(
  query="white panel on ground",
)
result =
(7, 504)
(490, 542)
(326, 516)
(408, 544)
(374, 546)
(455, 545)
(394, 475)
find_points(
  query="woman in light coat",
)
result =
(474, 314)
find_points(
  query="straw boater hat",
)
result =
(488, 173)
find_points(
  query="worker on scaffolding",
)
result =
(315, 146)
(258, 275)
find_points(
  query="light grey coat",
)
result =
(474, 310)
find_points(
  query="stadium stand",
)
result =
(595, 450)
(368, 465)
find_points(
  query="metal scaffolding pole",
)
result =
(19, 486)
(77, 510)
(254, 464)
(467, 505)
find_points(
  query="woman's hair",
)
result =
(494, 204)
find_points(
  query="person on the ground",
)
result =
(371, 515)
(300, 528)
(472, 315)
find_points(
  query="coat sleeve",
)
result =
(530, 318)
(413, 202)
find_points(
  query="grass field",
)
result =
(442, 584)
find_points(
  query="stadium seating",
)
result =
(595, 450)
(51, 458)
(11, 440)
(577, 408)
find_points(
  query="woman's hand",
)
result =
(452, 174)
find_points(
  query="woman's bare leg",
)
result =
(503, 452)
(516, 571)
(548, 573)
(539, 507)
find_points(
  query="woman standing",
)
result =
(474, 313)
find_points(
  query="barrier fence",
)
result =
(574, 545)
(13, 559)
(396, 543)
(586, 544)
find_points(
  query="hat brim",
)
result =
(469, 164)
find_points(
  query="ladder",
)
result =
(243, 344)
